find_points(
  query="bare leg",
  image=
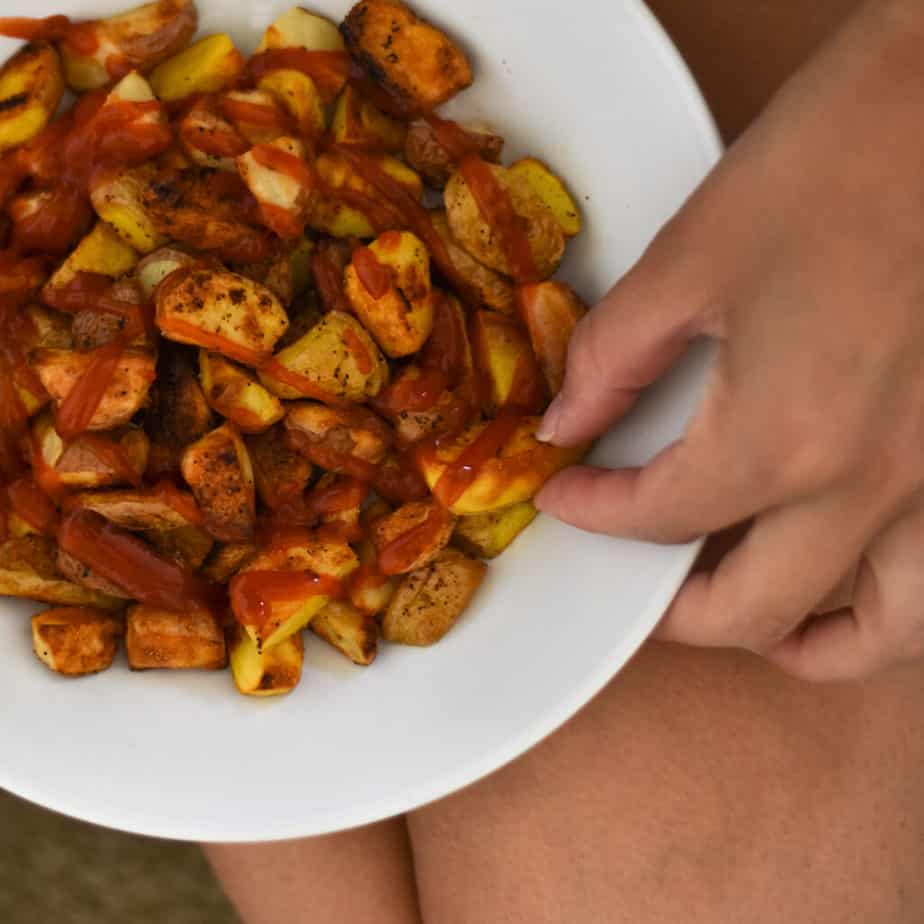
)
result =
(357, 877)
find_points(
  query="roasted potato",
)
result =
(217, 468)
(512, 474)
(226, 560)
(424, 152)
(265, 671)
(352, 632)
(117, 194)
(411, 536)
(287, 275)
(126, 392)
(75, 570)
(156, 638)
(101, 251)
(209, 139)
(335, 502)
(551, 189)
(369, 589)
(357, 122)
(550, 311)
(75, 641)
(428, 602)
(469, 228)
(31, 87)
(206, 66)
(189, 546)
(91, 329)
(28, 568)
(255, 115)
(139, 39)
(138, 509)
(156, 267)
(281, 474)
(388, 285)
(48, 328)
(236, 394)
(447, 413)
(223, 312)
(486, 535)
(299, 96)
(416, 65)
(336, 358)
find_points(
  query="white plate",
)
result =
(598, 91)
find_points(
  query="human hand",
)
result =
(803, 256)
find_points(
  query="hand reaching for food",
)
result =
(801, 256)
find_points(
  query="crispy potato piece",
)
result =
(189, 546)
(221, 311)
(217, 468)
(126, 392)
(31, 86)
(352, 440)
(280, 472)
(75, 570)
(468, 227)
(510, 375)
(265, 671)
(206, 66)
(337, 356)
(116, 194)
(255, 115)
(428, 602)
(418, 66)
(358, 122)
(157, 266)
(156, 638)
(226, 560)
(448, 413)
(76, 641)
(101, 251)
(423, 151)
(400, 315)
(411, 536)
(352, 632)
(486, 535)
(320, 553)
(178, 413)
(513, 475)
(550, 311)
(208, 138)
(138, 39)
(135, 509)
(236, 394)
(550, 188)
(493, 289)
(28, 568)
(299, 96)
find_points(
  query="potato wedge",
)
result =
(388, 285)
(31, 86)
(417, 66)
(488, 534)
(265, 671)
(117, 197)
(429, 602)
(101, 251)
(300, 97)
(138, 39)
(28, 568)
(336, 358)
(126, 392)
(223, 312)
(550, 188)
(226, 560)
(156, 638)
(357, 122)
(471, 231)
(207, 66)
(138, 509)
(237, 395)
(217, 468)
(352, 632)
(514, 473)
(76, 641)
(411, 537)
(281, 474)
(157, 266)
(550, 311)
(424, 152)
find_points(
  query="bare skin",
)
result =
(700, 786)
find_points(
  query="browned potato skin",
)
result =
(428, 602)
(350, 631)
(327, 433)
(227, 560)
(37, 86)
(468, 227)
(125, 395)
(433, 162)
(75, 570)
(132, 509)
(76, 641)
(280, 472)
(387, 529)
(157, 638)
(418, 66)
(188, 546)
(218, 470)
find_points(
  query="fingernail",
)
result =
(549, 426)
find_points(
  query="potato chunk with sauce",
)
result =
(237, 395)
(411, 537)
(156, 638)
(281, 474)
(31, 87)
(75, 641)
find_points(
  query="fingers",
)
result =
(790, 560)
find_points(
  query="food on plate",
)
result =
(275, 339)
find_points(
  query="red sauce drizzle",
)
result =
(273, 158)
(181, 501)
(48, 29)
(53, 226)
(340, 495)
(401, 553)
(497, 210)
(218, 142)
(28, 501)
(259, 115)
(111, 454)
(328, 279)
(131, 565)
(253, 594)
(300, 383)
(457, 142)
(375, 276)
(328, 69)
(399, 481)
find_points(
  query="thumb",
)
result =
(638, 331)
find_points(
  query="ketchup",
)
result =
(111, 454)
(49, 29)
(399, 482)
(328, 69)
(328, 278)
(401, 553)
(27, 500)
(375, 277)
(253, 594)
(457, 142)
(273, 158)
(298, 382)
(342, 494)
(260, 115)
